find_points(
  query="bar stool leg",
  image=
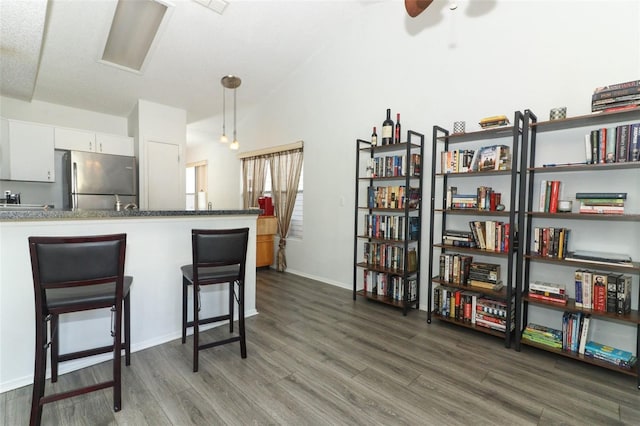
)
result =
(127, 330)
(196, 327)
(231, 303)
(184, 309)
(55, 348)
(117, 359)
(243, 340)
(39, 370)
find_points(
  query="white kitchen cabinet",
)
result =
(75, 140)
(82, 140)
(114, 144)
(27, 151)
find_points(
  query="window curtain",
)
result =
(285, 175)
(254, 175)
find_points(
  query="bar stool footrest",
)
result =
(88, 352)
(210, 320)
(75, 392)
(219, 342)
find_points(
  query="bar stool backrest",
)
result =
(215, 248)
(65, 262)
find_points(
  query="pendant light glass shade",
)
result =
(230, 82)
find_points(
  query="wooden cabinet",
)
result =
(82, 140)
(267, 228)
(471, 237)
(556, 151)
(27, 152)
(388, 215)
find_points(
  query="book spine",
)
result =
(584, 335)
(609, 94)
(612, 293)
(601, 195)
(594, 136)
(578, 288)
(559, 300)
(555, 194)
(634, 143)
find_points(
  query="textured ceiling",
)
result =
(260, 41)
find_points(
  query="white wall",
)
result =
(440, 67)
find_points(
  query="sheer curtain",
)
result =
(254, 175)
(285, 176)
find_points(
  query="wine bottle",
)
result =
(374, 137)
(387, 129)
(398, 134)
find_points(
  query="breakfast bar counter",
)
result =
(158, 243)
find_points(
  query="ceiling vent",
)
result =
(134, 33)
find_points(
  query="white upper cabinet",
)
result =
(82, 140)
(114, 144)
(75, 140)
(27, 152)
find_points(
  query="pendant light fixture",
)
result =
(230, 82)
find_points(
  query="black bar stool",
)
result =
(219, 256)
(72, 274)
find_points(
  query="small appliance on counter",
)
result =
(100, 181)
(10, 198)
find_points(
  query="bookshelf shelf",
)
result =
(388, 235)
(583, 216)
(500, 222)
(579, 357)
(592, 229)
(470, 326)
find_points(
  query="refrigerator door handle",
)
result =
(74, 186)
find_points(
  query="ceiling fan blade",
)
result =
(416, 7)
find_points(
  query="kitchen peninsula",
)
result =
(158, 243)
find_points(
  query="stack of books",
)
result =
(464, 201)
(485, 276)
(543, 335)
(621, 358)
(548, 292)
(458, 238)
(616, 96)
(492, 314)
(494, 121)
(601, 202)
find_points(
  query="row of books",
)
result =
(454, 268)
(601, 202)
(618, 144)
(392, 197)
(457, 161)
(485, 198)
(543, 335)
(394, 166)
(614, 96)
(603, 291)
(488, 158)
(551, 242)
(461, 270)
(392, 286)
(549, 196)
(491, 235)
(472, 308)
(389, 256)
(391, 226)
(575, 331)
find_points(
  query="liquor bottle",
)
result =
(387, 129)
(398, 133)
(374, 137)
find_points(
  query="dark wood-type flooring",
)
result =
(317, 358)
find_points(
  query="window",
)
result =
(196, 183)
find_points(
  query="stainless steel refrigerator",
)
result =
(94, 180)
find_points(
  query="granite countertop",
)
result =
(16, 215)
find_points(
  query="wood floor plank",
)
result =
(316, 357)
